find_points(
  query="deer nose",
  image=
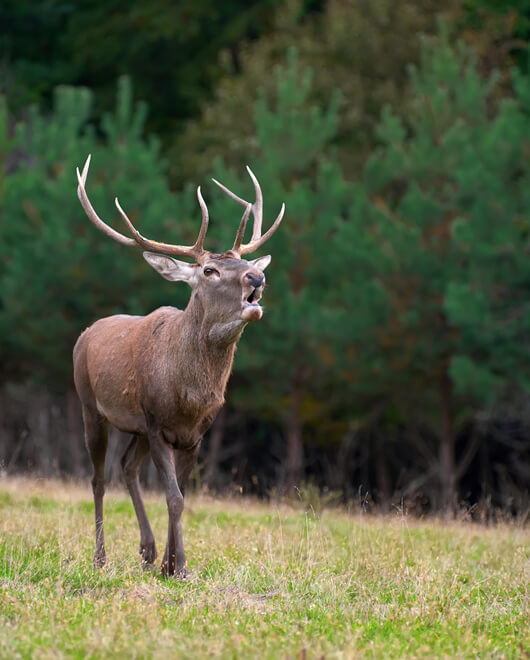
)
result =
(255, 280)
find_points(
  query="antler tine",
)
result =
(204, 223)
(241, 231)
(92, 215)
(257, 239)
(253, 245)
(257, 207)
(194, 251)
(230, 194)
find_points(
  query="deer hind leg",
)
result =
(136, 451)
(186, 461)
(96, 441)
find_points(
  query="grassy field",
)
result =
(267, 581)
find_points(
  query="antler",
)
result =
(257, 239)
(138, 240)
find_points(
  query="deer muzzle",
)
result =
(255, 280)
(254, 284)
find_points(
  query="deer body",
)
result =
(162, 377)
(162, 382)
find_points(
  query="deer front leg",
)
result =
(185, 461)
(136, 451)
(163, 454)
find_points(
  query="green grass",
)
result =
(267, 581)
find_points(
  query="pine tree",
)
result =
(361, 47)
(277, 367)
(58, 273)
(444, 213)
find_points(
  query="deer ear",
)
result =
(172, 269)
(261, 262)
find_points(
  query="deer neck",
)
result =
(210, 337)
(206, 348)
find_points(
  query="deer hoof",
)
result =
(148, 553)
(181, 574)
(100, 559)
(166, 569)
(169, 571)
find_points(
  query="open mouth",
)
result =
(251, 309)
(252, 298)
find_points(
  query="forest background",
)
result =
(392, 366)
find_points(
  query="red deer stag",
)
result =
(162, 377)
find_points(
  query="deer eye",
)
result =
(210, 271)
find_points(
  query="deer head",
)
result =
(227, 286)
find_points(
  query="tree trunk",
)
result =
(448, 476)
(293, 432)
(383, 478)
(211, 474)
(342, 477)
(39, 427)
(75, 432)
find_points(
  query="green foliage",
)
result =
(280, 355)
(291, 128)
(379, 290)
(169, 50)
(517, 10)
(360, 47)
(4, 143)
(445, 208)
(27, 31)
(58, 273)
